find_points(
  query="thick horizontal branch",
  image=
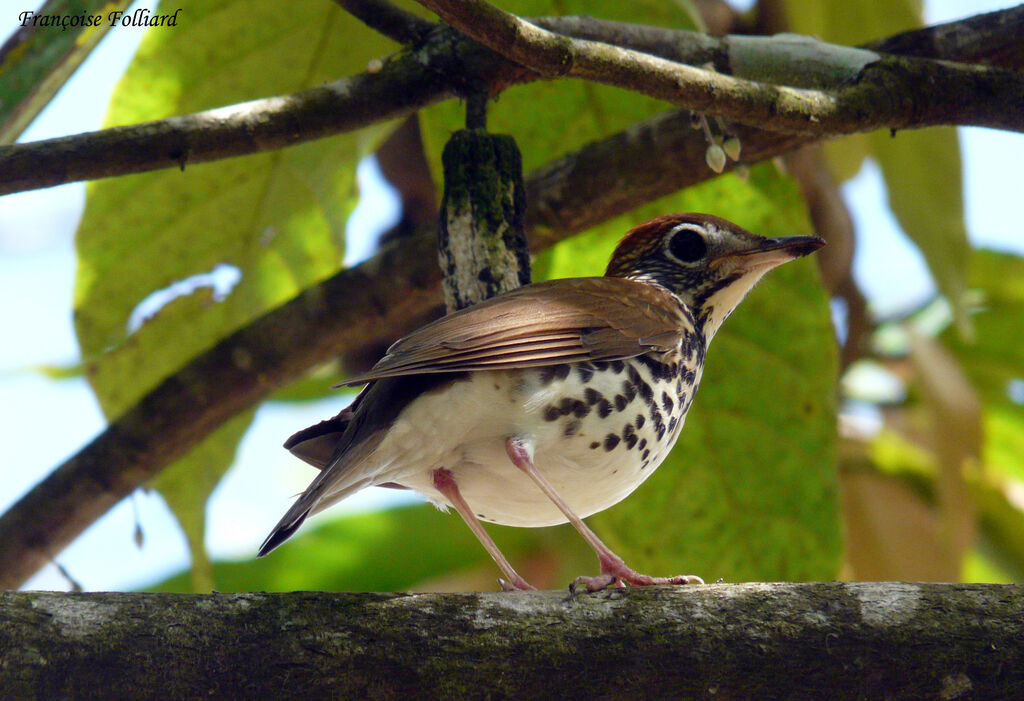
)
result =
(884, 91)
(446, 64)
(743, 641)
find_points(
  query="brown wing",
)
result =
(545, 323)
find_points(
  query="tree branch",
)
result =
(444, 66)
(992, 38)
(730, 641)
(869, 91)
(391, 21)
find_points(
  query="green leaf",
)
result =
(44, 57)
(278, 218)
(750, 491)
(994, 360)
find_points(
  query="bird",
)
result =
(548, 403)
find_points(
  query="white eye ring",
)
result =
(687, 243)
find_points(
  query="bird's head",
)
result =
(708, 262)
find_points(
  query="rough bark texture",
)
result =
(482, 243)
(726, 641)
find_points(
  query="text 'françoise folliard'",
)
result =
(140, 18)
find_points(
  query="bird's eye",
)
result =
(687, 246)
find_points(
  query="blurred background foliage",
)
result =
(899, 458)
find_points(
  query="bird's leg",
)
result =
(613, 568)
(445, 483)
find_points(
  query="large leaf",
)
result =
(750, 491)
(277, 218)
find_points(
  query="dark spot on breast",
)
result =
(620, 402)
(562, 371)
(629, 389)
(566, 406)
(640, 420)
(689, 376)
(481, 516)
(647, 454)
(666, 402)
(659, 370)
(604, 408)
(571, 428)
(659, 423)
(547, 375)
(600, 365)
(672, 423)
(551, 412)
(579, 409)
(646, 393)
(591, 395)
(643, 444)
(618, 366)
(585, 372)
(595, 445)
(634, 375)
(610, 441)
(629, 436)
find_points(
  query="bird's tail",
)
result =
(322, 493)
(287, 526)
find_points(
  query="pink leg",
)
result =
(444, 482)
(613, 569)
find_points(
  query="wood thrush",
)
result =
(551, 402)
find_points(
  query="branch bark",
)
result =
(447, 64)
(834, 641)
(864, 92)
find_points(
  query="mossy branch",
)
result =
(731, 641)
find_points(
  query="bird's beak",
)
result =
(774, 252)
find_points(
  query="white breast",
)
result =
(590, 445)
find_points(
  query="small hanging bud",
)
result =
(374, 65)
(715, 158)
(732, 148)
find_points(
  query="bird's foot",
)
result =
(614, 571)
(592, 584)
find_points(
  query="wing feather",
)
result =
(545, 323)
